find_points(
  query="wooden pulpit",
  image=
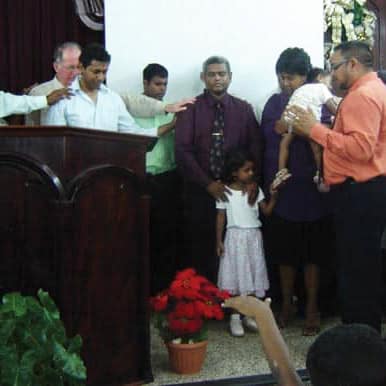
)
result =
(74, 221)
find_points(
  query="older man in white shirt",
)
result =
(66, 66)
(97, 107)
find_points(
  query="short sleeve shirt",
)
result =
(239, 212)
(313, 96)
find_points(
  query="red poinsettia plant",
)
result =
(181, 310)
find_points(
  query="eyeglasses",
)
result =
(70, 68)
(335, 66)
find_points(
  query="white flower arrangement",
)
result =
(349, 19)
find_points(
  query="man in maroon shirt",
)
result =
(194, 130)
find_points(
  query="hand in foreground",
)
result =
(217, 190)
(280, 179)
(249, 306)
(179, 106)
(302, 120)
(56, 95)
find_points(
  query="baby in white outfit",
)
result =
(314, 96)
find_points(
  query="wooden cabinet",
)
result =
(74, 221)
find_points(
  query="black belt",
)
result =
(350, 181)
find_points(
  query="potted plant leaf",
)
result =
(34, 347)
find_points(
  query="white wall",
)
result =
(181, 34)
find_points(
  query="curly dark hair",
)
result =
(234, 159)
(294, 61)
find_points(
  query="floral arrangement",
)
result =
(181, 310)
(349, 20)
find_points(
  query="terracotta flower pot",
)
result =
(186, 358)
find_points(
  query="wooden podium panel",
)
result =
(75, 222)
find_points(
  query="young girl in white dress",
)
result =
(242, 269)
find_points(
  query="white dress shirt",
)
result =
(107, 113)
(36, 117)
(20, 104)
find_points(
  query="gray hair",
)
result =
(359, 50)
(216, 60)
(58, 52)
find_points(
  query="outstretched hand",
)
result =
(56, 95)
(179, 106)
(249, 306)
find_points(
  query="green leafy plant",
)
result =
(34, 347)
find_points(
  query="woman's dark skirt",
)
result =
(298, 243)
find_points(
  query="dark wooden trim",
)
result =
(25, 162)
(74, 221)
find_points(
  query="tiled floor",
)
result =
(231, 357)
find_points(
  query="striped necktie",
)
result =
(216, 155)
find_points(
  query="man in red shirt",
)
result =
(354, 159)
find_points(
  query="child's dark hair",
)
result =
(234, 159)
(312, 76)
(351, 354)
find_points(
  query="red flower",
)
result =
(185, 305)
(185, 310)
(159, 302)
(209, 310)
(223, 295)
(187, 285)
(211, 290)
(182, 325)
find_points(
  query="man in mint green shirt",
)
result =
(163, 185)
(161, 158)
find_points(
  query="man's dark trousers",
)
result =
(360, 218)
